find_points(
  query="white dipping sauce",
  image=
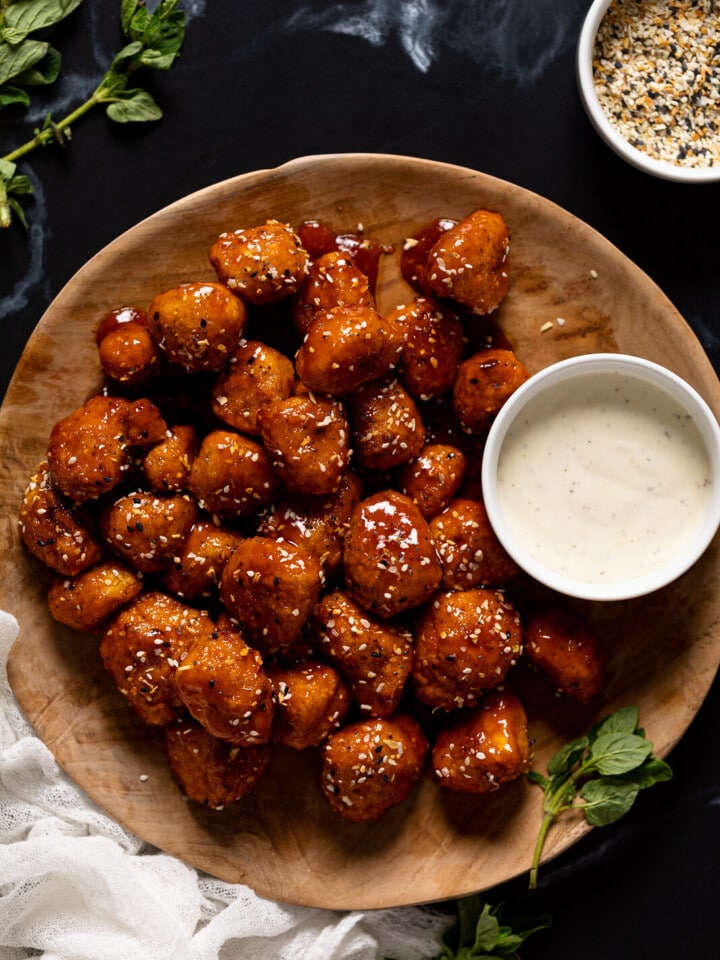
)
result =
(604, 477)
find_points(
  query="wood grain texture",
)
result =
(283, 840)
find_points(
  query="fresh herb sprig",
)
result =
(606, 769)
(479, 932)
(154, 41)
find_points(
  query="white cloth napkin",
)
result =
(74, 885)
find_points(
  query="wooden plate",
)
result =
(283, 840)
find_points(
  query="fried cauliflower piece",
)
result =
(346, 347)
(270, 587)
(223, 684)
(262, 264)
(128, 354)
(317, 524)
(52, 530)
(333, 280)
(308, 442)
(311, 701)
(469, 262)
(147, 530)
(433, 478)
(212, 772)
(86, 601)
(254, 376)
(232, 475)
(89, 450)
(563, 647)
(432, 347)
(484, 382)
(390, 559)
(386, 425)
(196, 570)
(371, 766)
(142, 648)
(465, 643)
(470, 553)
(485, 748)
(166, 467)
(374, 657)
(197, 325)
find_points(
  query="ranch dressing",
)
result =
(604, 477)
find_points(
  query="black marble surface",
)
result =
(488, 84)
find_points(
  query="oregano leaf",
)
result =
(17, 58)
(136, 106)
(624, 720)
(10, 95)
(614, 753)
(567, 757)
(27, 16)
(607, 799)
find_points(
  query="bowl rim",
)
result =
(552, 376)
(600, 121)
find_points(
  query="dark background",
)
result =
(488, 85)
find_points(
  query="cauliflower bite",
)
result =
(270, 587)
(469, 262)
(386, 425)
(147, 530)
(232, 475)
(263, 264)
(346, 347)
(469, 551)
(374, 657)
(465, 643)
(333, 280)
(311, 700)
(166, 467)
(318, 524)
(433, 344)
(197, 325)
(86, 601)
(390, 559)
(371, 766)
(89, 450)
(484, 383)
(51, 529)
(254, 376)
(128, 354)
(223, 684)
(564, 648)
(211, 771)
(308, 441)
(485, 748)
(196, 570)
(142, 648)
(433, 478)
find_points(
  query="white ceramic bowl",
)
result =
(573, 508)
(599, 119)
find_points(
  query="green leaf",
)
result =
(17, 58)
(535, 777)
(607, 799)
(27, 16)
(624, 720)
(651, 772)
(566, 758)
(19, 212)
(7, 170)
(20, 185)
(486, 931)
(127, 10)
(136, 106)
(44, 72)
(128, 53)
(614, 753)
(10, 95)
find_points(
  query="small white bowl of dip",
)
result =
(601, 476)
(645, 100)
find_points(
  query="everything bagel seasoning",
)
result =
(656, 67)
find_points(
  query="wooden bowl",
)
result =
(283, 840)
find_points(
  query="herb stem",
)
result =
(540, 843)
(50, 132)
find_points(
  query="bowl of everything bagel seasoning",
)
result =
(649, 77)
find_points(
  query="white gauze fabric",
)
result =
(74, 885)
